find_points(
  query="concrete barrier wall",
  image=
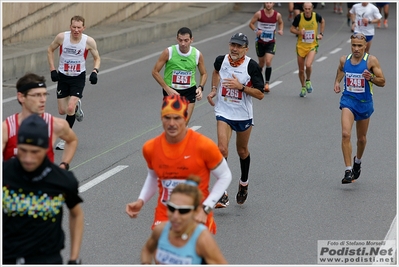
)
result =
(27, 56)
(24, 22)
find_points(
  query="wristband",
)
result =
(96, 70)
(65, 164)
(370, 21)
(200, 86)
(242, 89)
(321, 34)
(207, 209)
(256, 30)
(214, 87)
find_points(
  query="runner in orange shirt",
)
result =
(174, 155)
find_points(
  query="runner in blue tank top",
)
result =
(181, 240)
(360, 72)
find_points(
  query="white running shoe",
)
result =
(79, 112)
(60, 145)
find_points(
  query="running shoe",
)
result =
(223, 202)
(60, 145)
(385, 23)
(348, 178)
(309, 87)
(79, 112)
(303, 92)
(242, 194)
(355, 169)
(266, 89)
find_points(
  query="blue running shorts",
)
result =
(238, 126)
(361, 110)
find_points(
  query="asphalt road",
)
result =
(295, 194)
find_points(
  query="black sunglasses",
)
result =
(181, 209)
(358, 36)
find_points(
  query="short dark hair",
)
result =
(78, 18)
(28, 78)
(184, 30)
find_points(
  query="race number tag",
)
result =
(308, 37)
(167, 187)
(355, 83)
(231, 93)
(267, 36)
(181, 79)
(71, 68)
(360, 22)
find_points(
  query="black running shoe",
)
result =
(242, 194)
(348, 178)
(223, 202)
(356, 169)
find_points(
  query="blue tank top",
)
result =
(169, 254)
(355, 85)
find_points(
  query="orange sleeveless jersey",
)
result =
(173, 163)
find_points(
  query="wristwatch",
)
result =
(207, 209)
(96, 70)
(65, 164)
(200, 86)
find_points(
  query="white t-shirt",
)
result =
(370, 12)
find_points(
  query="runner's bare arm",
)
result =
(63, 131)
(163, 58)
(58, 40)
(92, 47)
(374, 66)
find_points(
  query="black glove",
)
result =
(78, 261)
(54, 76)
(93, 78)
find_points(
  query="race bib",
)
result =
(181, 79)
(71, 68)
(166, 257)
(233, 94)
(167, 187)
(267, 36)
(355, 83)
(309, 36)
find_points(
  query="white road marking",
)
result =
(336, 50)
(101, 178)
(111, 172)
(391, 235)
(321, 59)
(195, 127)
(275, 83)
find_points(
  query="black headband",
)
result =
(29, 86)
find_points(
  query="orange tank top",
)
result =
(195, 154)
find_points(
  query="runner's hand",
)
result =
(133, 208)
(93, 78)
(54, 76)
